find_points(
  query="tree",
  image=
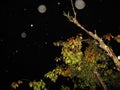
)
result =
(86, 62)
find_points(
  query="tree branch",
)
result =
(101, 43)
(100, 79)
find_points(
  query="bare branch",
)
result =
(100, 79)
(74, 12)
(94, 36)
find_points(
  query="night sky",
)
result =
(26, 38)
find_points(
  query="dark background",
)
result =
(31, 57)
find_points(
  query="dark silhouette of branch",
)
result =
(100, 79)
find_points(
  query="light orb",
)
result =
(80, 4)
(42, 8)
(23, 35)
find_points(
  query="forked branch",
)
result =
(101, 43)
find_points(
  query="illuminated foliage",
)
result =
(81, 64)
(39, 85)
(117, 38)
(53, 75)
(78, 61)
(110, 36)
(15, 85)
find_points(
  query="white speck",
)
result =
(31, 25)
(80, 4)
(1, 40)
(41, 46)
(23, 35)
(118, 57)
(25, 9)
(58, 3)
(46, 42)
(16, 51)
(6, 71)
(42, 8)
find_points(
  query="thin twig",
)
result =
(74, 12)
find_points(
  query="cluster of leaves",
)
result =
(109, 36)
(15, 85)
(36, 85)
(53, 75)
(39, 85)
(81, 64)
(79, 58)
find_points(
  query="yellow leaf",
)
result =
(117, 38)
